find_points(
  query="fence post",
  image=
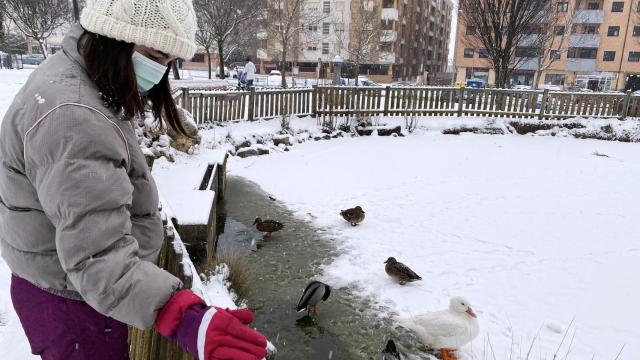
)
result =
(387, 100)
(185, 99)
(543, 104)
(314, 100)
(460, 101)
(625, 108)
(252, 101)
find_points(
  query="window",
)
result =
(325, 48)
(618, 6)
(634, 56)
(279, 28)
(554, 79)
(562, 6)
(526, 52)
(609, 56)
(312, 27)
(326, 7)
(582, 53)
(590, 29)
(471, 30)
(468, 53)
(636, 31)
(558, 30)
(326, 27)
(312, 48)
(554, 55)
(483, 53)
(593, 6)
(638, 7)
(614, 31)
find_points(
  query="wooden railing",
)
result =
(149, 345)
(223, 106)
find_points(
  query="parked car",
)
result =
(274, 78)
(32, 59)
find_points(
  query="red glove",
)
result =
(210, 333)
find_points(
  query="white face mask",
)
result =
(148, 72)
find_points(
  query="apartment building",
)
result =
(602, 48)
(413, 40)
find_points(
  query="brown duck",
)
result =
(400, 272)
(268, 226)
(354, 216)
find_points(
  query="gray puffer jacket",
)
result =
(78, 208)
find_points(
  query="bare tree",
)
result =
(291, 25)
(38, 19)
(227, 20)
(205, 35)
(362, 41)
(500, 26)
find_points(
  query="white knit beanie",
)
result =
(164, 25)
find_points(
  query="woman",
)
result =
(79, 222)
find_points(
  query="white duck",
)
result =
(446, 330)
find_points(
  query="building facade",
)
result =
(601, 51)
(413, 38)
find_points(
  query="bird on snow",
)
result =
(391, 352)
(400, 272)
(267, 226)
(446, 330)
(315, 292)
(354, 216)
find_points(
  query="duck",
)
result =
(268, 226)
(315, 292)
(400, 272)
(391, 352)
(446, 330)
(354, 216)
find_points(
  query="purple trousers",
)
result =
(63, 329)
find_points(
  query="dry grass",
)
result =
(475, 130)
(523, 128)
(239, 271)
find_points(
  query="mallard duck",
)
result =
(354, 216)
(446, 330)
(400, 272)
(315, 292)
(268, 226)
(391, 352)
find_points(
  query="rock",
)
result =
(327, 137)
(244, 144)
(282, 139)
(287, 149)
(179, 141)
(389, 131)
(247, 152)
(317, 138)
(364, 131)
(262, 150)
(339, 134)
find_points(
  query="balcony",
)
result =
(389, 14)
(529, 40)
(588, 17)
(528, 63)
(585, 40)
(388, 36)
(387, 57)
(581, 65)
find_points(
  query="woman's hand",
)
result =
(210, 333)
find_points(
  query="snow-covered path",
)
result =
(533, 230)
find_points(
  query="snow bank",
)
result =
(533, 230)
(10, 83)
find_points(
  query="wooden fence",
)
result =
(223, 106)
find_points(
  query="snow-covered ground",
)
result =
(535, 231)
(10, 83)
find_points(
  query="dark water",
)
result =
(346, 327)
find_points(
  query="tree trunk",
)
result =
(208, 60)
(283, 71)
(536, 79)
(221, 57)
(357, 72)
(43, 48)
(174, 67)
(76, 10)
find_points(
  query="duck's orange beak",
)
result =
(471, 313)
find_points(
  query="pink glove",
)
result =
(210, 333)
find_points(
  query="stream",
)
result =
(348, 326)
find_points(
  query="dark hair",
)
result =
(108, 62)
(248, 58)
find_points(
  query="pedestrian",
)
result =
(250, 70)
(79, 221)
